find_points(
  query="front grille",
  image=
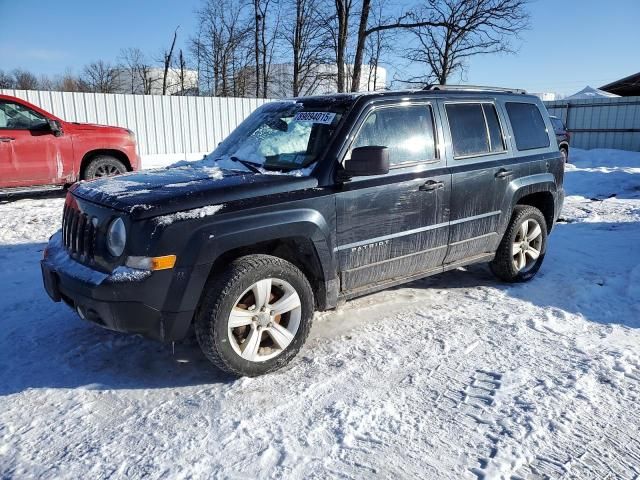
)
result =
(79, 233)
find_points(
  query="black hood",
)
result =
(163, 191)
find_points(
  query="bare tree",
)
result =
(223, 46)
(6, 80)
(411, 19)
(182, 73)
(259, 23)
(24, 80)
(100, 77)
(377, 46)
(167, 58)
(135, 68)
(305, 35)
(346, 16)
(68, 82)
(343, 18)
(362, 39)
(470, 28)
(45, 83)
(268, 41)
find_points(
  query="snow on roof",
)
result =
(590, 92)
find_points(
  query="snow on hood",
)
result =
(151, 193)
(202, 212)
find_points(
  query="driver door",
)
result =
(29, 152)
(394, 226)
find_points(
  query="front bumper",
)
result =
(125, 301)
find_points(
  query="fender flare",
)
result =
(523, 186)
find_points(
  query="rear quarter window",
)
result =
(528, 126)
(475, 129)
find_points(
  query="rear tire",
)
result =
(564, 151)
(103, 166)
(271, 304)
(522, 249)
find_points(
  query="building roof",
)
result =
(590, 92)
(625, 87)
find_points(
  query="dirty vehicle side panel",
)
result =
(394, 225)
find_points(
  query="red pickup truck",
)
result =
(39, 149)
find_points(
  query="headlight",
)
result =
(116, 237)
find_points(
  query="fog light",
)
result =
(80, 312)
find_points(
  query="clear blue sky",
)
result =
(570, 44)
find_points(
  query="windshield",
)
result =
(280, 136)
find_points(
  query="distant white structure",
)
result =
(590, 92)
(548, 96)
(322, 79)
(149, 81)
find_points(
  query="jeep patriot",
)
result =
(310, 202)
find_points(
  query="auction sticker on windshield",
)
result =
(315, 117)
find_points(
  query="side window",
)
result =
(18, 117)
(407, 131)
(528, 126)
(493, 126)
(475, 129)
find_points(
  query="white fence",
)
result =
(167, 128)
(601, 122)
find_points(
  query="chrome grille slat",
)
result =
(86, 238)
(78, 233)
(73, 232)
(82, 220)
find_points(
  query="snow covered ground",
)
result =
(455, 376)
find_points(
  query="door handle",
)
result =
(502, 173)
(7, 139)
(430, 186)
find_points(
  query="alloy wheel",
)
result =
(264, 320)
(527, 245)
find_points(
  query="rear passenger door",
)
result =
(481, 166)
(395, 225)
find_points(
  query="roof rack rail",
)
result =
(474, 88)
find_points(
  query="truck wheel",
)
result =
(103, 166)
(523, 246)
(255, 316)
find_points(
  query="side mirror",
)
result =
(367, 161)
(54, 126)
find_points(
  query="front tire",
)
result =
(521, 252)
(255, 316)
(103, 166)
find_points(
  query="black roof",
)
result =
(625, 87)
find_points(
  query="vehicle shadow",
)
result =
(590, 269)
(9, 196)
(46, 345)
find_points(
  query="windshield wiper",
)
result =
(250, 165)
